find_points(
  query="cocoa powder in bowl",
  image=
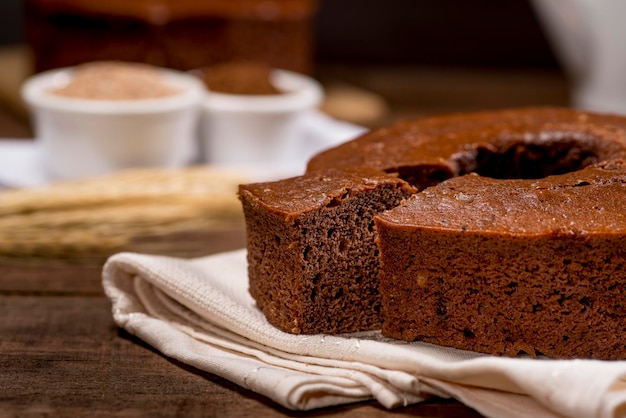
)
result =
(107, 80)
(240, 77)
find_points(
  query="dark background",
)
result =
(484, 33)
(477, 33)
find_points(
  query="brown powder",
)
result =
(248, 78)
(108, 80)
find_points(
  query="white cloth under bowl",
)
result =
(200, 313)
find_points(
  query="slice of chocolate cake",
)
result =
(312, 258)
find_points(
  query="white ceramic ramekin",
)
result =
(86, 137)
(257, 128)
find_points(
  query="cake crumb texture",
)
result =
(313, 263)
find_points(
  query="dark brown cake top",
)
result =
(588, 201)
(520, 143)
(310, 192)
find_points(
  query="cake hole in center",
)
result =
(517, 161)
(528, 161)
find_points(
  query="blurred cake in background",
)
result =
(179, 34)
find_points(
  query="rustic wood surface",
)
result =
(62, 355)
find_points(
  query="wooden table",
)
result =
(62, 355)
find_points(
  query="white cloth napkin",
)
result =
(199, 312)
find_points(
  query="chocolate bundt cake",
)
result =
(510, 244)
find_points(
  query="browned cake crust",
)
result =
(312, 257)
(478, 290)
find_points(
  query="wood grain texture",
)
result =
(63, 356)
(82, 276)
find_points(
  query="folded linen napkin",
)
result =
(200, 313)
